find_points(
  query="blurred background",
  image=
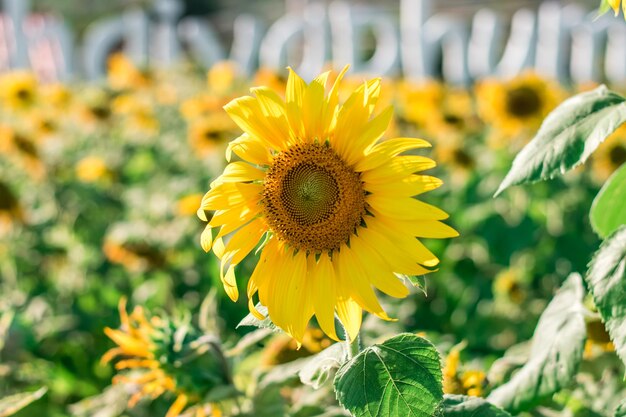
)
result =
(112, 128)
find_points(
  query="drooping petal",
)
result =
(322, 278)
(350, 315)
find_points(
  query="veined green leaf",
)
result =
(568, 136)
(556, 352)
(400, 377)
(321, 366)
(14, 403)
(607, 282)
(463, 406)
(607, 211)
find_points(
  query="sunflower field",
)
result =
(184, 243)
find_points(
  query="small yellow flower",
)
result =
(23, 149)
(10, 210)
(456, 381)
(517, 106)
(189, 204)
(335, 208)
(124, 75)
(508, 284)
(201, 106)
(210, 134)
(57, 96)
(610, 155)
(222, 76)
(92, 169)
(19, 89)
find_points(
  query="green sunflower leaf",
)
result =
(14, 403)
(620, 411)
(463, 406)
(320, 367)
(556, 351)
(607, 282)
(607, 211)
(400, 377)
(568, 136)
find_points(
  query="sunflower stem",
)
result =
(353, 347)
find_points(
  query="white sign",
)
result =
(564, 42)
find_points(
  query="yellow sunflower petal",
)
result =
(410, 186)
(178, 406)
(313, 108)
(350, 315)
(229, 281)
(379, 272)
(243, 241)
(249, 149)
(382, 152)
(614, 5)
(322, 278)
(247, 113)
(374, 130)
(330, 110)
(228, 194)
(206, 239)
(239, 172)
(397, 168)
(273, 107)
(354, 281)
(405, 208)
(294, 96)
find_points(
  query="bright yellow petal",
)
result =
(294, 96)
(353, 280)
(350, 315)
(419, 228)
(330, 111)
(206, 239)
(248, 114)
(229, 194)
(391, 252)
(379, 272)
(273, 107)
(178, 406)
(249, 149)
(614, 5)
(230, 283)
(239, 172)
(405, 208)
(372, 132)
(397, 168)
(382, 153)
(313, 108)
(243, 241)
(322, 278)
(410, 186)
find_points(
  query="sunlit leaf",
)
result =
(463, 406)
(607, 282)
(400, 377)
(568, 136)
(557, 348)
(14, 403)
(607, 212)
(321, 366)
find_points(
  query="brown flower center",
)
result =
(523, 101)
(617, 155)
(313, 200)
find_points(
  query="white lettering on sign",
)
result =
(563, 42)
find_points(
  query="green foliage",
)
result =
(607, 282)
(320, 367)
(620, 411)
(556, 352)
(14, 403)
(607, 212)
(399, 377)
(464, 406)
(568, 136)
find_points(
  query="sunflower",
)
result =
(614, 4)
(517, 106)
(10, 209)
(19, 89)
(210, 133)
(610, 155)
(92, 169)
(124, 75)
(333, 207)
(166, 359)
(470, 382)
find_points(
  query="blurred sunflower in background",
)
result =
(516, 108)
(123, 74)
(11, 212)
(166, 357)
(210, 134)
(609, 156)
(18, 90)
(459, 380)
(334, 208)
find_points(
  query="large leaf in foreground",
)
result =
(463, 406)
(557, 349)
(607, 281)
(607, 212)
(568, 136)
(398, 378)
(14, 403)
